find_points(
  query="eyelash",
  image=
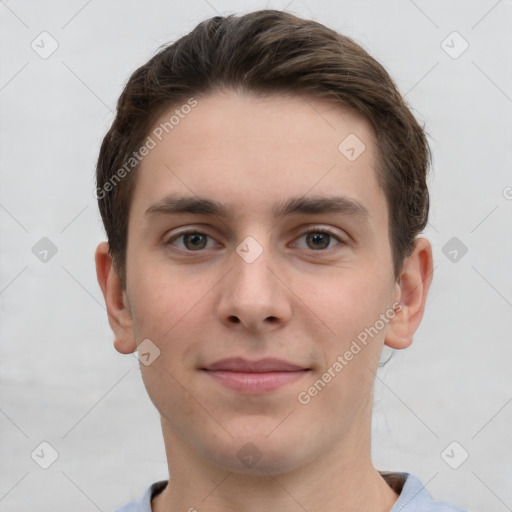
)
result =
(314, 229)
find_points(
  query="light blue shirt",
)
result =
(413, 498)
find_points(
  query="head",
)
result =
(248, 131)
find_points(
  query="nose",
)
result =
(254, 296)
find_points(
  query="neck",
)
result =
(340, 480)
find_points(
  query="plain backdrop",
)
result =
(446, 398)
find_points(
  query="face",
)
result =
(253, 236)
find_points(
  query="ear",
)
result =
(118, 309)
(411, 291)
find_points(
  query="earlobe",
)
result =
(118, 310)
(412, 289)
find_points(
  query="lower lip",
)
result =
(255, 383)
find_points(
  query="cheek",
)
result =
(352, 308)
(353, 302)
(173, 312)
(159, 297)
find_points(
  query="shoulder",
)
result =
(143, 504)
(414, 497)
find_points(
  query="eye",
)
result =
(191, 241)
(320, 239)
(317, 239)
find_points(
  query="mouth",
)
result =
(254, 377)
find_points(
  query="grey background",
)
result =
(61, 381)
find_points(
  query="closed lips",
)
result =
(266, 365)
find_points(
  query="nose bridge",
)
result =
(253, 280)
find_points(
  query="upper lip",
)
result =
(238, 364)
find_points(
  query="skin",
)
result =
(295, 302)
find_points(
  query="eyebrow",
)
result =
(178, 204)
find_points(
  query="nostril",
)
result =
(234, 319)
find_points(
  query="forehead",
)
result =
(280, 121)
(245, 149)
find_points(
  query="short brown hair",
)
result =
(267, 52)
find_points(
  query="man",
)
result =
(262, 188)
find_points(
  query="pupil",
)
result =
(195, 240)
(317, 237)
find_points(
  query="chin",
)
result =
(262, 464)
(259, 454)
